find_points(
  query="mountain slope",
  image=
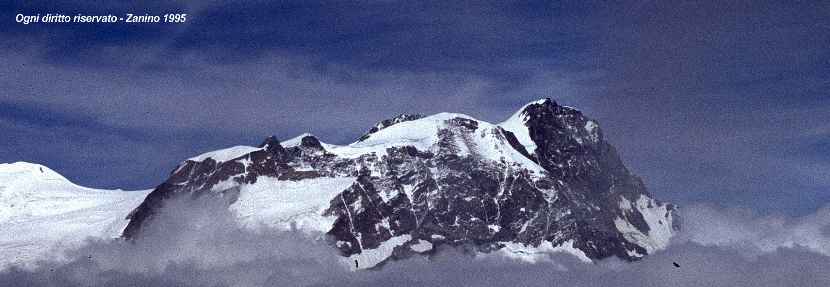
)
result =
(41, 211)
(544, 180)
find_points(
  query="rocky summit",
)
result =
(544, 180)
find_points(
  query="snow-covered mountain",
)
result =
(545, 180)
(42, 213)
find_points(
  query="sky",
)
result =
(709, 102)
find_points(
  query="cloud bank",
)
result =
(198, 243)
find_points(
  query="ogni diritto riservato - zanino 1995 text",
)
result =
(55, 18)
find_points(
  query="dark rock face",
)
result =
(593, 173)
(456, 193)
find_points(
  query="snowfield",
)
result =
(486, 143)
(42, 211)
(289, 204)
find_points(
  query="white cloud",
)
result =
(742, 230)
(194, 245)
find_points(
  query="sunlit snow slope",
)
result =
(41, 211)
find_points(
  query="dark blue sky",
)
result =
(708, 102)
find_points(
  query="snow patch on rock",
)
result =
(541, 253)
(421, 246)
(657, 217)
(289, 204)
(593, 130)
(369, 258)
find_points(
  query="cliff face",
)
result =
(544, 178)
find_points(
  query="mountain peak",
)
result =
(295, 141)
(20, 169)
(543, 101)
(547, 104)
(543, 179)
(270, 140)
(389, 122)
(271, 144)
(310, 141)
(521, 115)
(548, 112)
(306, 140)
